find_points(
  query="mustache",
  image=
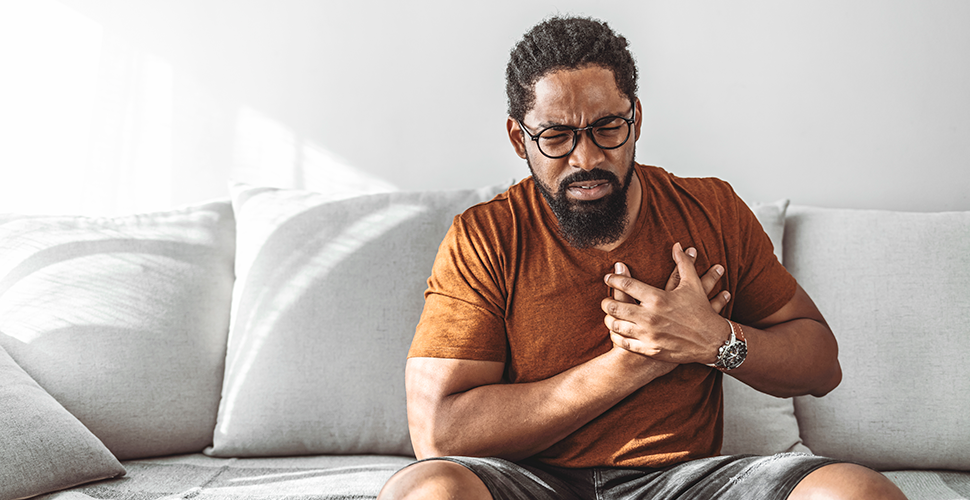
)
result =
(596, 174)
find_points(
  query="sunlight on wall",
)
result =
(49, 58)
(87, 118)
(266, 153)
(92, 124)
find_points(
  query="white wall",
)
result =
(832, 103)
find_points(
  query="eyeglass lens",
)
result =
(608, 133)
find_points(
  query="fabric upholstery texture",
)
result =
(327, 297)
(123, 320)
(895, 288)
(755, 422)
(44, 448)
(200, 477)
(344, 477)
(932, 485)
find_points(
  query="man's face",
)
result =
(587, 189)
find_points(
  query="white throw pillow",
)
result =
(44, 447)
(123, 320)
(755, 422)
(895, 288)
(327, 297)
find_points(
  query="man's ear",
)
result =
(515, 136)
(638, 121)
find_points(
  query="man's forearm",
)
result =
(794, 358)
(515, 421)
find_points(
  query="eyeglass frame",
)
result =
(576, 130)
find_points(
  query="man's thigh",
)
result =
(732, 477)
(727, 477)
(508, 480)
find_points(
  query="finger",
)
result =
(616, 310)
(720, 300)
(622, 270)
(710, 278)
(675, 276)
(685, 266)
(638, 290)
(621, 341)
(633, 345)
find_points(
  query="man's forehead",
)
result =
(582, 93)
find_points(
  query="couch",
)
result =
(254, 347)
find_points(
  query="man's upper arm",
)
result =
(810, 342)
(800, 306)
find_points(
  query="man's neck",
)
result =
(634, 199)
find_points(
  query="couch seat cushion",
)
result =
(202, 477)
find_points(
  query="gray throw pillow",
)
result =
(44, 448)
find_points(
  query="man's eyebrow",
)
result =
(548, 124)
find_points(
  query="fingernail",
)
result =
(727, 295)
(618, 268)
(719, 270)
(692, 252)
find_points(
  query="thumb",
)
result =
(684, 271)
(621, 269)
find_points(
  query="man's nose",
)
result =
(586, 155)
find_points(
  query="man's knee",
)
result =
(434, 479)
(846, 482)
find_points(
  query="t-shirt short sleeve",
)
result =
(764, 285)
(464, 309)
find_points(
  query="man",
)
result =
(569, 347)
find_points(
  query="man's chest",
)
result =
(554, 316)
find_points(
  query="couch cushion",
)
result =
(44, 447)
(123, 320)
(327, 297)
(755, 422)
(200, 477)
(932, 485)
(895, 288)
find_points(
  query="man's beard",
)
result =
(586, 224)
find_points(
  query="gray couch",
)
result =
(257, 345)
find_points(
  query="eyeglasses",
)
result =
(558, 141)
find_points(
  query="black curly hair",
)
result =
(565, 43)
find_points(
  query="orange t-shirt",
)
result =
(507, 287)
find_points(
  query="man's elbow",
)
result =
(427, 443)
(427, 448)
(830, 383)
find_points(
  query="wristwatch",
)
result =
(733, 352)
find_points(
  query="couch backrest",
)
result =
(123, 320)
(895, 288)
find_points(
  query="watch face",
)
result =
(733, 355)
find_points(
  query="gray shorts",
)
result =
(740, 477)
